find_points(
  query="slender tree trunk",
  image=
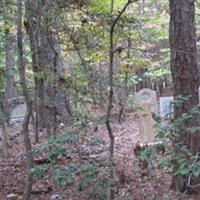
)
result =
(5, 139)
(110, 97)
(2, 123)
(25, 129)
(184, 68)
(124, 90)
(100, 86)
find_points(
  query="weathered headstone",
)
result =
(17, 109)
(166, 107)
(146, 103)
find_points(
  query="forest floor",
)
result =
(131, 184)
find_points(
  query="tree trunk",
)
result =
(110, 95)
(25, 125)
(62, 99)
(53, 99)
(32, 27)
(184, 66)
(184, 60)
(2, 124)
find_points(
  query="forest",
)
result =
(99, 99)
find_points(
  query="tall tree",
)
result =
(43, 28)
(25, 125)
(184, 67)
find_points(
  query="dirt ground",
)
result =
(131, 185)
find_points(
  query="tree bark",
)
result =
(46, 55)
(32, 25)
(184, 70)
(110, 95)
(184, 61)
(25, 125)
(2, 124)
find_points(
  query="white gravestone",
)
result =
(146, 103)
(166, 107)
(18, 109)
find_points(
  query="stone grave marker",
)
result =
(18, 109)
(166, 107)
(146, 103)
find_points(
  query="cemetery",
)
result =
(99, 100)
(148, 108)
